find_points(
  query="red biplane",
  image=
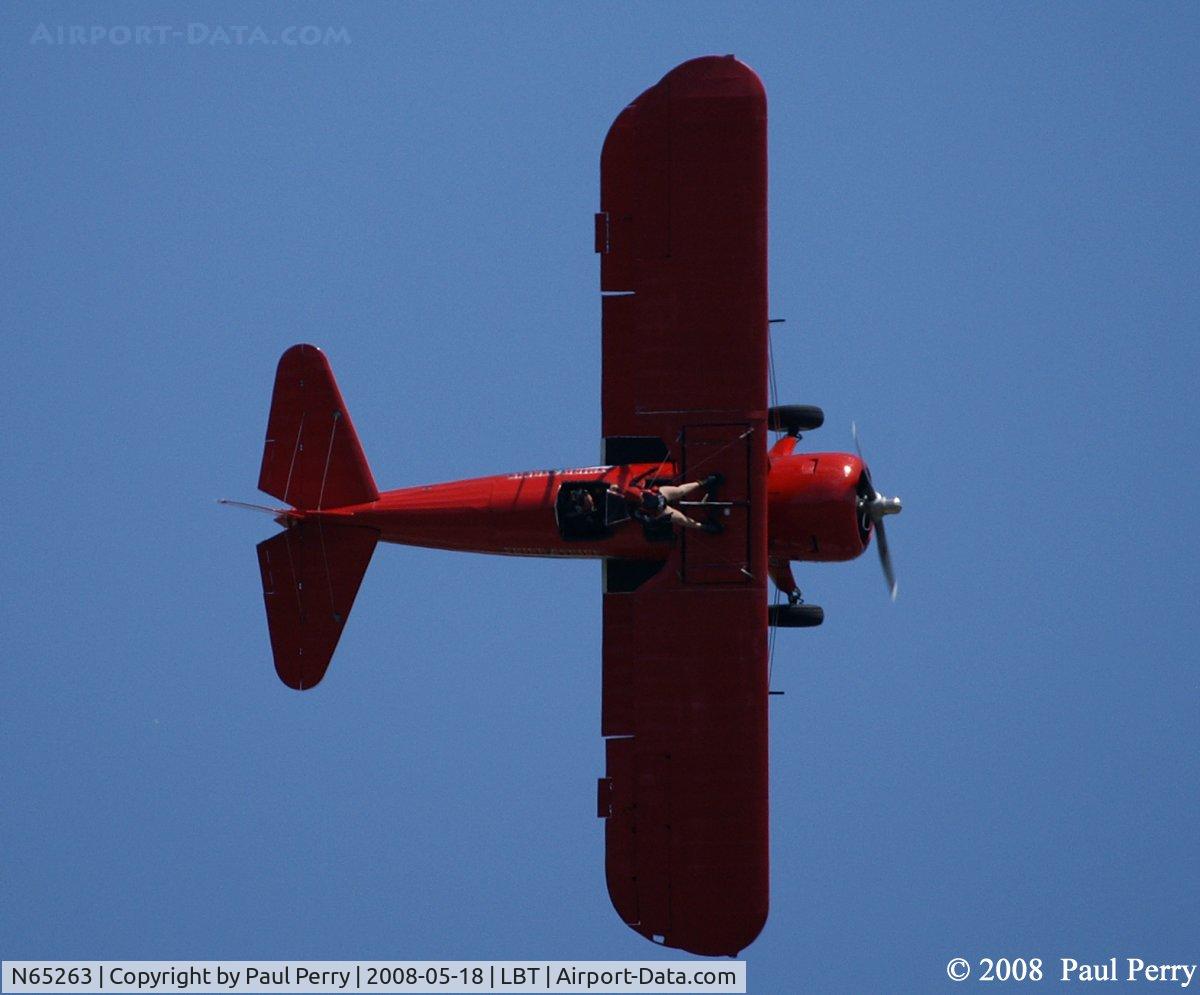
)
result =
(682, 238)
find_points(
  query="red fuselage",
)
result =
(812, 511)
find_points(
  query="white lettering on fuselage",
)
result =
(587, 471)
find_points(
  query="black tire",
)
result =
(795, 418)
(795, 616)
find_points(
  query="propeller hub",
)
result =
(877, 506)
(887, 505)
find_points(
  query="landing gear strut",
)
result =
(795, 614)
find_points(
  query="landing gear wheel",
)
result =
(795, 616)
(795, 418)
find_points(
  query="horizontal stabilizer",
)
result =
(312, 457)
(310, 574)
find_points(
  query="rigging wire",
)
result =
(774, 390)
(771, 640)
(773, 401)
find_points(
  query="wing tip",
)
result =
(733, 77)
(726, 938)
(705, 75)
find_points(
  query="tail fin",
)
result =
(310, 575)
(312, 458)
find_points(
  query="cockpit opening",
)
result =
(588, 511)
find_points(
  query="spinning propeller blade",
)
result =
(876, 507)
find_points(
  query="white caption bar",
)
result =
(244, 976)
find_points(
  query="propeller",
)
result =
(876, 507)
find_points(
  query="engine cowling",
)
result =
(813, 507)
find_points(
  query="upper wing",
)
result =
(682, 233)
(685, 796)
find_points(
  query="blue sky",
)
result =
(984, 241)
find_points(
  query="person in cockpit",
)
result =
(653, 504)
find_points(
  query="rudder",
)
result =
(312, 458)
